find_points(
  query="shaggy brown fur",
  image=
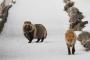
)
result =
(70, 37)
(41, 31)
(34, 31)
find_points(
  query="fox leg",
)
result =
(69, 52)
(73, 49)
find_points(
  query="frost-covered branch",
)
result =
(4, 9)
(75, 15)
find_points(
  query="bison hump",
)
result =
(40, 29)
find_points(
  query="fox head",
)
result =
(70, 36)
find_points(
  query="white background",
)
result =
(50, 13)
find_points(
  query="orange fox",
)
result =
(70, 37)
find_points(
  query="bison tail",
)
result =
(45, 34)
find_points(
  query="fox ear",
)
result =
(71, 30)
(0, 19)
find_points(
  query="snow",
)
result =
(13, 44)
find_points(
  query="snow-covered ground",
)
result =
(14, 46)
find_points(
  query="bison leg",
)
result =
(73, 49)
(30, 40)
(27, 36)
(69, 52)
(38, 40)
(42, 39)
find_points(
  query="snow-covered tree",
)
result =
(4, 9)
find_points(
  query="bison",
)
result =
(34, 31)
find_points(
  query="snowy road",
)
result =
(14, 46)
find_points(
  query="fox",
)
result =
(70, 38)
